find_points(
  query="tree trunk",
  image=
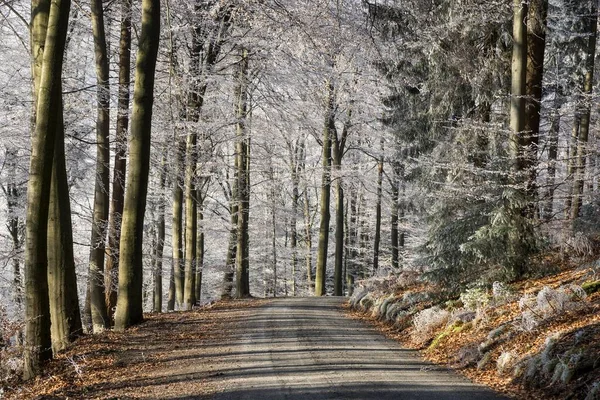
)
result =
(100, 318)
(339, 145)
(232, 246)
(294, 216)
(552, 157)
(13, 192)
(177, 225)
(571, 157)
(310, 279)
(321, 273)
(199, 250)
(273, 230)
(307, 218)
(62, 279)
(338, 275)
(129, 301)
(352, 232)
(242, 149)
(395, 183)
(160, 239)
(536, 44)
(585, 112)
(120, 165)
(518, 89)
(47, 121)
(191, 222)
(378, 212)
(363, 235)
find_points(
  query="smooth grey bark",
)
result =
(552, 146)
(395, 214)
(231, 194)
(295, 155)
(585, 111)
(177, 223)
(571, 159)
(13, 192)
(129, 300)
(518, 87)
(378, 211)
(120, 162)
(536, 45)
(242, 152)
(339, 148)
(321, 273)
(37, 346)
(100, 318)
(160, 239)
(200, 250)
(65, 316)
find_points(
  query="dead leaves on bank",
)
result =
(130, 365)
(575, 329)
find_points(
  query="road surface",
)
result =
(305, 349)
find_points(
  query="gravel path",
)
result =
(304, 348)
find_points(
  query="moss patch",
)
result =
(591, 287)
(456, 327)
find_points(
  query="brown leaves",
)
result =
(163, 356)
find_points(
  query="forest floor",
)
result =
(559, 358)
(164, 357)
(290, 348)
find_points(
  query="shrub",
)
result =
(501, 293)
(506, 362)
(475, 299)
(549, 303)
(428, 320)
(11, 360)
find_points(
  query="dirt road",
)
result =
(304, 349)
(284, 349)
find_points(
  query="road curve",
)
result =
(305, 349)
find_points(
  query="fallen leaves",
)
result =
(159, 358)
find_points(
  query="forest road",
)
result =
(306, 349)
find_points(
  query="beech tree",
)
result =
(120, 162)
(129, 302)
(100, 317)
(47, 122)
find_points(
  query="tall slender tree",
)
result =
(120, 162)
(129, 301)
(536, 45)
(100, 319)
(62, 280)
(321, 273)
(47, 121)
(243, 175)
(160, 238)
(589, 47)
(518, 86)
(339, 147)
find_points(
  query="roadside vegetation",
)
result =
(533, 338)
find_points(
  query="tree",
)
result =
(48, 107)
(339, 147)
(518, 86)
(320, 277)
(129, 301)
(584, 114)
(378, 211)
(243, 175)
(120, 162)
(100, 318)
(62, 280)
(157, 258)
(536, 45)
